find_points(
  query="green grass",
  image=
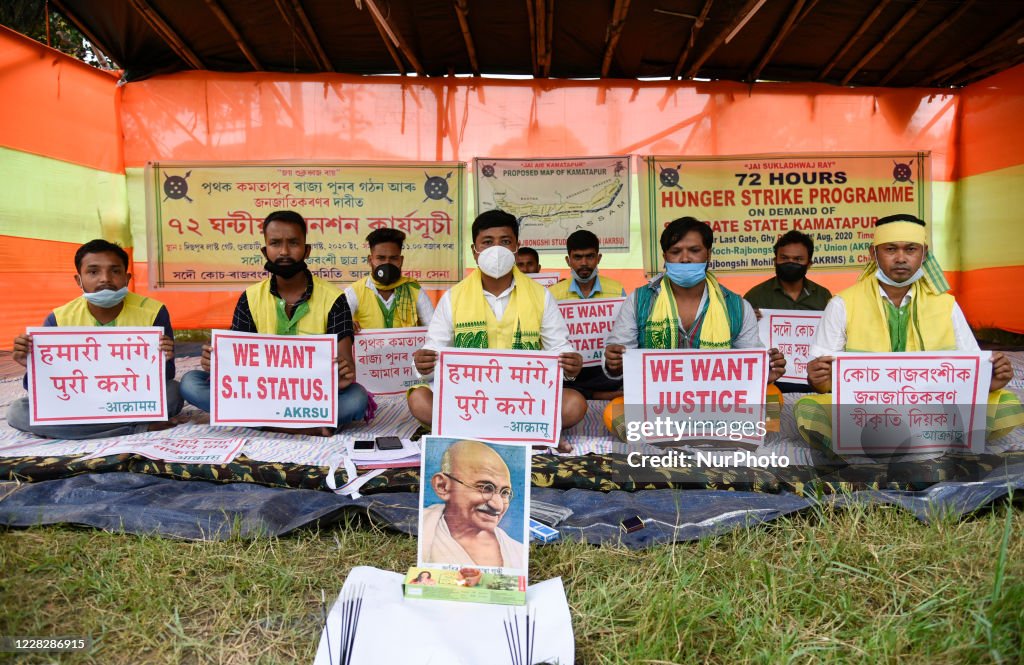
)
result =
(855, 586)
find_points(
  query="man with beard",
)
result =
(386, 298)
(899, 303)
(497, 307)
(583, 255)
(292, 301)
(475, 485)
(102, 274)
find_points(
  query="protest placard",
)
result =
(273, 380)
(500, 395)
(589, 323)
(791, 332)
(172, 449)
(688, 394)
(383, 358)
(545, 279)
(96, 375)
(909, 402)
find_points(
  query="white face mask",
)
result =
(496, 261)
(885, 279)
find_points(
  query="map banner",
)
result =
(554, 196)
(750, 201)
(205, 220)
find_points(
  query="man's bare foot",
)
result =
(564, 446)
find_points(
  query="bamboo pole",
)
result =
(225, 20)
(909, 14)
(902, 61)
(462, 12)
(850, 42)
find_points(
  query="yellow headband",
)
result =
(900, 232)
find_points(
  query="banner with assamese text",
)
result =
(205, 219)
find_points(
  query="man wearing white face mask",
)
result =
(102, 274)
(497, 307)
(899, 303)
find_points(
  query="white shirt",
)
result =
(554, 335)
(830, 338)
(424, 309)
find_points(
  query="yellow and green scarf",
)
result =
(475, 326)
(658, 319)
(372, 313)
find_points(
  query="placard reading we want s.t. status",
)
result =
(273, 380)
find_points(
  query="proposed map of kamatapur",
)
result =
(552, 197)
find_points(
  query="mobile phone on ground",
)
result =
(389, 443)
(362, 445)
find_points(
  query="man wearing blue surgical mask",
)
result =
(685, 307)
(102, 274)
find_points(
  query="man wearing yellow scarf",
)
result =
(386, 298)
(899, 303)
(497, 307)
(684, 308)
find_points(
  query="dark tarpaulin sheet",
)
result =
(145, 504)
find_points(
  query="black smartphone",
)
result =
(389, 443)
(362, 445)
(631, 524)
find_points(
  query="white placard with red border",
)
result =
(914, 402)
(791, 332)
(691, 394)
(82, 375)
(180, 450)
(383, 358)
(273, 380)
(545, 279)
(589, 323)
(498, 395)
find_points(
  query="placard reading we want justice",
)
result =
(687, 394)
(80, 375)
(273, 380)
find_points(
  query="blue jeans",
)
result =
(18, 418)
(352, 401)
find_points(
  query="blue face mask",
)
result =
(106, 298)
(686, 274)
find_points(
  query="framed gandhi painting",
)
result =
(474, 505)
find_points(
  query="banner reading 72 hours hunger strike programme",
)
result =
(750, 201)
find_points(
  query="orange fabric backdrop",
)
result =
(71, 112)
